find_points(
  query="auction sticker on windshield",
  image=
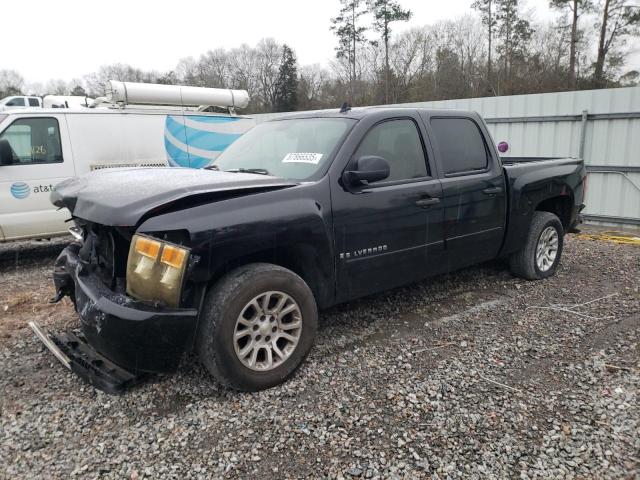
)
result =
(312, 158)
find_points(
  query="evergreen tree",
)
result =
(349, 34)
(78, 91)
(168, 78)
(287, 82)
(514, 33)
(487, 14)
(385, 12)
(577, 8)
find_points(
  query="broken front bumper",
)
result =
(78, 356)
(135, 336)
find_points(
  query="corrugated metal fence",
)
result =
(601, 126)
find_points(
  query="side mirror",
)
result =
(369, 168)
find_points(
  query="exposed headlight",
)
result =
(155, 270)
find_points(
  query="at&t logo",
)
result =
(20, 190)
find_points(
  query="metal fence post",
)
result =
(583, 133)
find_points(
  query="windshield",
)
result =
(294, 149)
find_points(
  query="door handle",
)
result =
(427, 202)
(492, 190)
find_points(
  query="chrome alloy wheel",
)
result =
(547, 249)
(267, 331)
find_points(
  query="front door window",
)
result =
(30, 141)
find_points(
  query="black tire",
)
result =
(523, 263)
(222, 306)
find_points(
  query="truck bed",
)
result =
(531, 179)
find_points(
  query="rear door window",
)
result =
(31, 141)
(33, 102)
(460, 145)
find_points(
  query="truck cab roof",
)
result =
(359, 113)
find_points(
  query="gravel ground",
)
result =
(476, 375)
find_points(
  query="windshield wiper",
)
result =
(260, 171)
(211, 167)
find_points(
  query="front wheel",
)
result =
(257, 326)
(540, 255)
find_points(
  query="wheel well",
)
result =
(299, 259)
(560, 206)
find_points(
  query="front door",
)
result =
(386, 231)
(34, 156)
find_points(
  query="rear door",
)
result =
(35, 155)
(473, 189)
(388, 233)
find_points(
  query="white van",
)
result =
(41, 147)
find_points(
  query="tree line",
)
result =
(496, 50)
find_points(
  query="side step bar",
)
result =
(79, 357)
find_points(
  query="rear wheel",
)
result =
(540, 255)
(258, 324)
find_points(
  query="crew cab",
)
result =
(299, 214)
(19, 101)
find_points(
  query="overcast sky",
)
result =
(70, 38)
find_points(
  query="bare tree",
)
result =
(619, 19)
(57, 87)
(497, 51)
(243, 62)
(548, 57)
(411, 58)
(96, 83)
(187, 71)
(214, 69)
(312, 86)
(11, 83)
(269, 56)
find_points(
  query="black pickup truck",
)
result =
(299, 214)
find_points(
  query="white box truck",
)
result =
(41, 147)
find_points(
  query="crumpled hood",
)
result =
(120, 197)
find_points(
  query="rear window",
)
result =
(460, 144)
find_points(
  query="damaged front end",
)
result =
(121, 337)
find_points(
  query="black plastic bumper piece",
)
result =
(135, 336)
(92, 367)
